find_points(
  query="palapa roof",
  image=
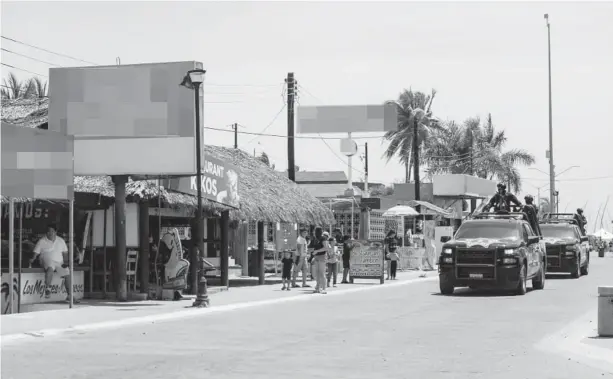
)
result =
(265, 195)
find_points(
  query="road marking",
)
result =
(194, 312)
(567, 342)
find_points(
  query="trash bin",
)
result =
(601, 252)
(605, 311)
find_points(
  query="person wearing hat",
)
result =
(531, 212)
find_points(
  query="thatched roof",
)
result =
(265, 195)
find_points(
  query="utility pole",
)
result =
(235, 127)
(552, 182)
(291, 164)
(473, 202)
(366, 168)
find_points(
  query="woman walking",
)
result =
(390, 252)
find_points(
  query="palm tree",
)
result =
(412, 108)
(476, 149)
(37, 88)
(13, 88)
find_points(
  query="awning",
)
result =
(438, 210)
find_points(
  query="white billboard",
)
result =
(130, 119)
(347, 119)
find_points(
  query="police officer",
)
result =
(502, 200)
(531, 211)
(581, 220)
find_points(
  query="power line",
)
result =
(26, 56)
(48, 51)
(24, 70)
(283, 136)
(258, 135)
(574, 179)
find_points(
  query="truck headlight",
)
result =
(570, 248)
(447, 251)
(509, 251)
(447, 260)
(570, 253)
(509, 261)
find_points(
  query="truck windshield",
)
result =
(497, 231)
(557, 231)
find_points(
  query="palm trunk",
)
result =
(407, 167)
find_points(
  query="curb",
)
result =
(194, 312)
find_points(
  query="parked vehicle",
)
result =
(493, 250)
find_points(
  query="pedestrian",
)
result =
(300, 264)
(390, 245)
(332, 262)
(286, 275)
(319, 246)
(394, 258)
(347, 247)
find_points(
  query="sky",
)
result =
(481, 57)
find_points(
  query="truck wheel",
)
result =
(538, 282)
(521, 285)
(445, 284)
(577, 269)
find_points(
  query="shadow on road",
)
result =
(467, 292)
(557, 276)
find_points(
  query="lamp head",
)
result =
(193, 77)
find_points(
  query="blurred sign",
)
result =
(371, 202)
(36, 163)
(367, 260)
(347, 119)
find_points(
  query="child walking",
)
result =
(332, 262)
(286, 276)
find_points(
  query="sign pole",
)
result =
(12, 253)
(20, 254)
(71, 251)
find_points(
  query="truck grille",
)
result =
(554, 256)
(475, 263)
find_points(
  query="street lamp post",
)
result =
(192, 80)
(551, 165)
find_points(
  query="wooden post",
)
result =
(120, 236)
(225, 253)
(143, 223)
(261, 277)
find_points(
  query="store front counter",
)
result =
(31, 288)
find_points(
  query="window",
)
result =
(526, 231)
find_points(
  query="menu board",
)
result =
(367, 260)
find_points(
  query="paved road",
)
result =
(398, 332)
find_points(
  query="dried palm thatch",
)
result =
(27, 113)
(265, 195)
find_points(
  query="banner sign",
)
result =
(32, 289)
(219, 182)
(367, 260)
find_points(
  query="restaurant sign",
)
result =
(32, 289)
(219, 182)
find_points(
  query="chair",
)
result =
(132, 267)
(99, 275)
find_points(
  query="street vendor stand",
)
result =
(29, 157)
(410, 256)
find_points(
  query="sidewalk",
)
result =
(109, 314)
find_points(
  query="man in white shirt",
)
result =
(52, 253)
(301, 264)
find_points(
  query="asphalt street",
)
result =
(405, 331)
